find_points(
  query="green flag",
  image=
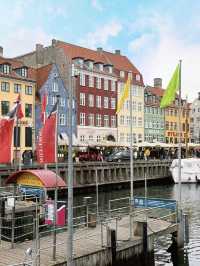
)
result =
(172, 87)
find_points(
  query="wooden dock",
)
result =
(89, 243)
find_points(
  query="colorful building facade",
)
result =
(154, 116)
(18, 79)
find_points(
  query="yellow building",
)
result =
(124, 118)
(172, 120)
(15, 79)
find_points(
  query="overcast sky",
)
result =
(153, 34)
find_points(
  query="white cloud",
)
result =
(101, 36)
(23, 40)
(96, 4)
(156, 53)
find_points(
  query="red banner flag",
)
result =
(46, 147)
(6, 135)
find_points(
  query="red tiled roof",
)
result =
(155, 90)
(42, 75)
(119, 62)
(47, 177)
(15, 64)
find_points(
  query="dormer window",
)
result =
(79, 62)
(99, 66)
(5, 68)
(90, 65)
(137, 77)
(122, 74)
(110, 69)
(24, 72)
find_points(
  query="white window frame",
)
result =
(140, 122)
(98, 83)
(113, 85)
(91, 119)
(106, 84)
(55, 87)
(122, 74)
(82, 99)
(106, 120)
(98, 120)
(62, 101)
(82, 79)
(98, 101)
(53, 100)
(91, 81)
(62, 119)
(106, 102)
(91, 100)
(113, 103)
(113, 121)
(82, 119)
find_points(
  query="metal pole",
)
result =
(186, 129)
(16, 142)
(179, 134)
(70, 176)
(97, 195)
(131, 142)
(56, 185)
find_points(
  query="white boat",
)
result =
(190, 170)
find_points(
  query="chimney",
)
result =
(158, 82)
(39, 54)
(1, 51)
(53, 42)
(99, 49)
(199, 96)
(117, 52)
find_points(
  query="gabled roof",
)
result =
(119, 61)
(155, 91)
(15, 64)
(42, 75)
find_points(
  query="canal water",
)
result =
(190, 203)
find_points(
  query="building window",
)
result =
(113, 121)
(62, 120)
(4, 107)
(55, 86)
(98, 120)
(91, 119)
(91, 138)
(105, 84)
(90, 65)
(139, 107)
(82, 99)
(106, 120)
(98, 83)
(17, 136)
(91, 81)
(5, 86)
(113, 85)
(82, 79)
(28, 136)
(134, 106)
(91, 100)
(98, 138)
(82, 138)
(122, 120)
(82, 119)
(128, 120)
(17, 88)
(127, 104)
(122, 74)
(98, 101)
(28, 110)
(134, 121)
(28, 90)
(53, 100)
(167, 125)
(105, 102)
(5, 68)
(113, 103)
(24, 72)
(62, 101)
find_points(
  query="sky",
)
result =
(154, 34)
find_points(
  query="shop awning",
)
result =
(36, 178)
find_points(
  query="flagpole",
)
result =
(70, 174)
(56, 185)
(131, 140)
(179, 134)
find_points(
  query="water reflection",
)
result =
(190, 203)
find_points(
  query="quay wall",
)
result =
(88, 174)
